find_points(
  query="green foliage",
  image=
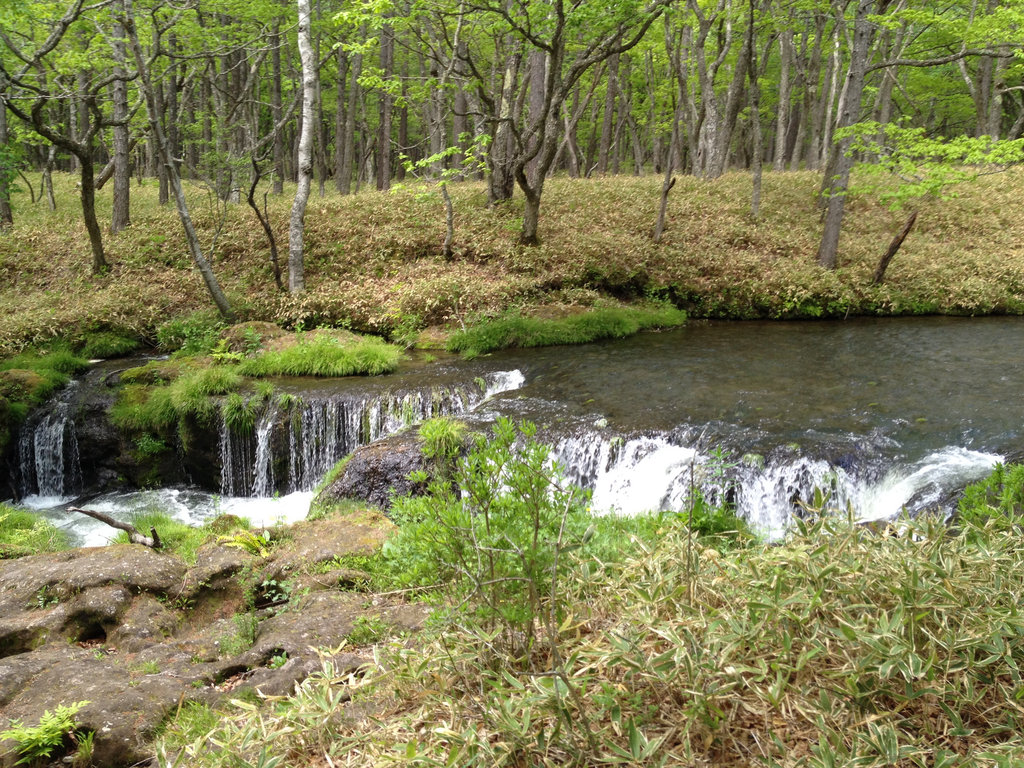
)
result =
(443, 439)
(256, 543)
(851, 648)
(40, 741)
(367, 630)
(924, 164)
(23, 533)
(498, 543)
(321, 354)
(177, 538)
(239, 413)
(195, 334)
(243, 637)
(997, 501)
(160, 408)
(106, 344)
(148, 446)
(515, 330)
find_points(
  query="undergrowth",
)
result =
(835, 647)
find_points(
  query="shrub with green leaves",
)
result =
(195, 334)
(497, 542)
(106, 344)
(998, 500)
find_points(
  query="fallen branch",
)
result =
(891, 251)
(153, 542)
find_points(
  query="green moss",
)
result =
(515, 330)
(323, 355)
(28, 380)
(23, 533)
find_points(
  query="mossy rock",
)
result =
(247, 338)
(156, 372)
(20, 384)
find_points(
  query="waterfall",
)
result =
(320, 430)
(633, 475)
(48, 460)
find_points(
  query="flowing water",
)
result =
(878, 414)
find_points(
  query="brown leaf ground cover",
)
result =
(374, 260)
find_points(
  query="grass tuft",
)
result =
(516, 330)
(23, 533)
(321, 354)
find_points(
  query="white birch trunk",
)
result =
(296, 274)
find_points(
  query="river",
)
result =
(881, 414)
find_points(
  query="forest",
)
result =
(356, 95)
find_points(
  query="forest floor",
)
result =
(374, 261)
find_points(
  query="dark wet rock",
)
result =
(377, 472)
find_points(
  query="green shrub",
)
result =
(323, 355)
(443, 439)
(196, 334)
(23, 533)
(497, 542)
(515, 330)
(997, 500)
(239, 413)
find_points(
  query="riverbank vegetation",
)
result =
(554, 645)
(375, 263)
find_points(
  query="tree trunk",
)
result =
(755, 114)
(782, 124)
(174, 178)
(92, 225)
(836, 193)
(296, 267)
(385, 107)
(502, 181)
(349, 138)
(6, 174)
(608, 120)
(537, 70)
(340, 118)
(121, 216)
(894, 246)
(276, 109)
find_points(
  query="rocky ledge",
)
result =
(137, 633)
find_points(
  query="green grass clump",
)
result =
(323, 355)
(105, 344)
(515, 330)
(176, 537)
(998, 500)
(159, 409)
(23, 533)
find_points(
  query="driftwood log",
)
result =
(134, 536)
